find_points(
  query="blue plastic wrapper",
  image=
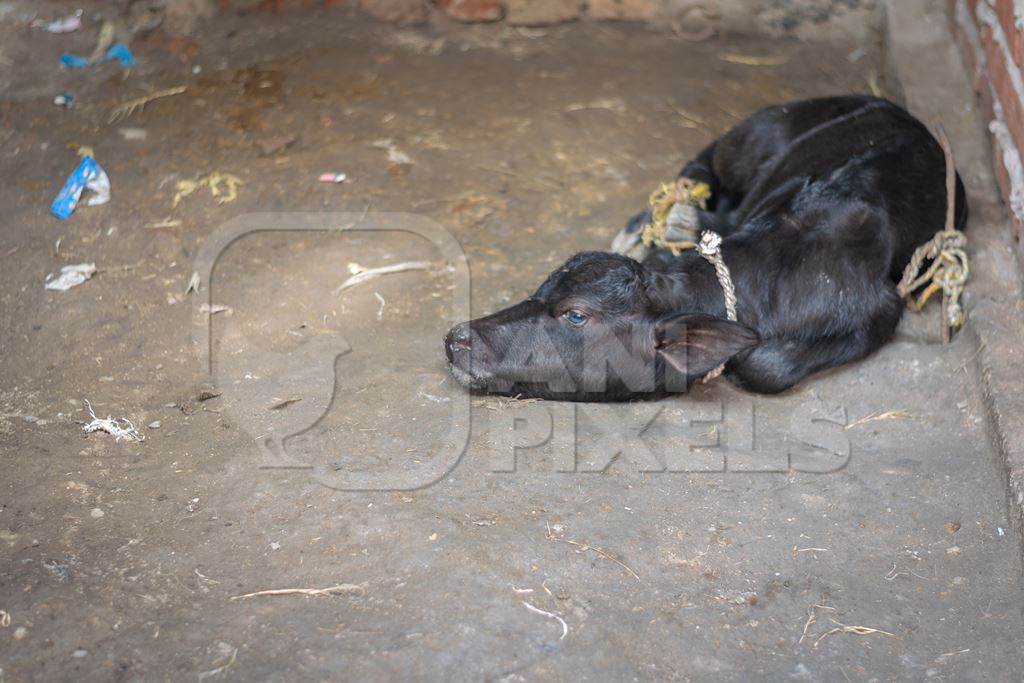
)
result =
(118, 51)
(88, 174)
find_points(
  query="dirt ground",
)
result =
(831, 547)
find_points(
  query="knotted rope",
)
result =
(949, 269)
(673, 216)
(710, 248)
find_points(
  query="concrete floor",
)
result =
(777, 520)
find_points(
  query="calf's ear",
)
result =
(695, 343)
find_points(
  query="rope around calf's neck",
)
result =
(710, 247)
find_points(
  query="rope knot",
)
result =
(710, 243)
(949, 267)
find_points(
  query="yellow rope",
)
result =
(684, 192)
(949, 268)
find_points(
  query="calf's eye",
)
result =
(574, 317)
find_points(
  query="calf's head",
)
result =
(600, 328)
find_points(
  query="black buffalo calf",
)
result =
(820, 204)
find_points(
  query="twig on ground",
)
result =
(584, 547)
(753, 60)
(126, 109)
(846, 628)
(340, 589)
(875, 416)
(374, 273)
(812, 618)
(550, 615)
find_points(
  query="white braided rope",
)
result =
(710, 247)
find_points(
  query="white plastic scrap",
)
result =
(67, 24)
(70, 276)
(112, 427)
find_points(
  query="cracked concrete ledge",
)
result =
(924, 61)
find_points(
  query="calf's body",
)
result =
(820, 204)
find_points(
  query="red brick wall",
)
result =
(992, 43)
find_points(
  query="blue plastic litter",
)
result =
(88, 174)
(118, 51)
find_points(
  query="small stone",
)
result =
(20, 633)
(471, 11)
(952, 527)
(542, 12)
(954, 550)
(275, 546)
(403, 12)
(96, 513)
(79, 653)
(155, 424)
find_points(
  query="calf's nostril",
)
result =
(458, 339)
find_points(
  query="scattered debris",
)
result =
(946, 655)
(812, 618)
(20, 633)
(231, 655)
(334, 178)
(118, 51)
(65, 100)
(213, 181)
(285, 403)
(155, 424)
(872, 417)
(549, 615)
(846, 628)
(614, 104)
(134, 134)
(5, 619)
(584, 547)
(165, 223)
(70, 276)
(753, 60)
(129, 107)
(97, 513)
(88, 174)
(366, 274)
(340, 589)
(873, 84)
(394, 155)
(193, 283)
(953, 551)
(214, 309)
(383, 303)
(951, 527)
(113, 427)
(68, 24)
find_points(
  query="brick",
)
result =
(473, 11)
(1014, 38)
(999, 75)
